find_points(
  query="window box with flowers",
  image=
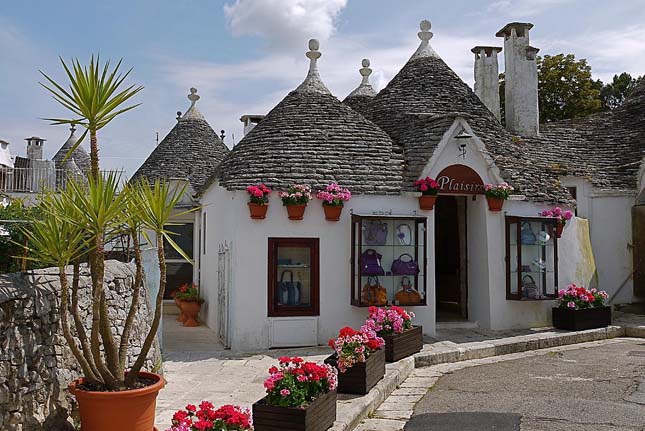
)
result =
(360, 360)
(496, 195)
(333, 199)
(301, 396)
(190, 303)
(258, 201)
(207, 418)
(580, 308)
(296, 200)
(561, 218)
(429, 189)
(394, 325)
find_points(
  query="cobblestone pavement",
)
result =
(596, 386)
(197, 367)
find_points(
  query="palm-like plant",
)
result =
(95, 97)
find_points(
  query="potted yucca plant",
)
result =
(74, 226)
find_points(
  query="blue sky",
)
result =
(245, 55)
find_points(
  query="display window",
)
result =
(389, 259)
(179, 271)
(531, 259)
(293, 277)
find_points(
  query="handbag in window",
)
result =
(405, 265)
(289, 292)
(404, 234)
(373, 293)
(529, 288)
(375, 232)
(527, 234)
(408, 295)
(371, 263)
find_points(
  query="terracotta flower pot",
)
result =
(182, 316)
(132, 410)
(495, 204)
(191, 309)
(296, 212)
(426, 202)
(258, 212)
(332, 212)
(559, 227)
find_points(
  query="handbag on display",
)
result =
(529, 288)
(373, 293)
(405, 267)
(408, 295)
(289, 292)
(527, 234)
(404, 234)
(375, 232)
(371, 263)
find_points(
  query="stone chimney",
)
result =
(250, 121)
(487, 77)
(35, 148)
(521, 82)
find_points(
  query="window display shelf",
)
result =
(388, 261)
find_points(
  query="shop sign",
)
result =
(460, 179)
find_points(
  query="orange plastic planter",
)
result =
(495, 204)
(427, 202)
(132, 410)
(296, 212)
(332, 213)
(258, 212)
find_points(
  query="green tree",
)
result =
(566, 88)
(14, 216)
(614, 93)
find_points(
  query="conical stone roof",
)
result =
(191, 150)
(80, 158)
(312, 138)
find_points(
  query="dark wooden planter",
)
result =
(317, 416)
(578, 320)
(361, 377)
(399, 346)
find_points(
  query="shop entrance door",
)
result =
(450, 257)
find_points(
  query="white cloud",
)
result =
(284, 23)
(524, 8)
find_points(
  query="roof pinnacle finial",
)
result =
(425, 34)
(424, 50)
(313, 54)
(193, 96)
(72, 128)
(365, 71)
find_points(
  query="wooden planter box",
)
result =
(577, 320)
(361, 377)
(317, 416)
(399, 346)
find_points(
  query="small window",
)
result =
(182, 235)
(573, 191)
(293, 285)
(531, 259)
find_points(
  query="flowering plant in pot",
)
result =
(298, 393)
(296, 199)
(360, 359)
(206, 417)
(182, 316)
(258, 200)
(429, 189)
(496, 195)
(581, 308)
(334, 198)
(394, 324)
(561, 218)
(190, 303)
(73, 227)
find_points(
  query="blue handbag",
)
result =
(527, 234)
(289, 292)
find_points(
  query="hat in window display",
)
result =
(543, 237)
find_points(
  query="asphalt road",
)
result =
(591, 389)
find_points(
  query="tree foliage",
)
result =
(614, 93)
(14, 216)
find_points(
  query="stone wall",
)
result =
(35, 363)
